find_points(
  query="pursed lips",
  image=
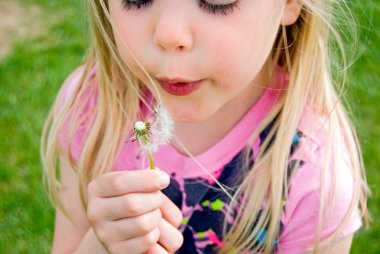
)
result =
(179, 86)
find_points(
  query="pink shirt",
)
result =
(204, 208)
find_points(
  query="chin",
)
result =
(181, 116)
(186, 118)
(190, 111)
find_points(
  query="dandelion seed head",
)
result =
(159, 132)
(163, 125)
(140, 126)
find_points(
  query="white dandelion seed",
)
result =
(162, 128)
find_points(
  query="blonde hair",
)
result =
(310, 81)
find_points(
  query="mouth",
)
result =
(179, 87)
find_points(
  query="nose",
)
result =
(173, 29)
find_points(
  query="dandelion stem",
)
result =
(151, 163)
(150, 156)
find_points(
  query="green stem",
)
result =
(151, 163)
(150, 156)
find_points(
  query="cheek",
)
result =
(128, 43)
(128, 37)
(238, 55)
(236, 60)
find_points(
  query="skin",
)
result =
(126, 211)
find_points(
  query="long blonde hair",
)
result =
(310, 81)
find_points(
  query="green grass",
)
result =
(29, 80)
(31, 76)
(364, 99)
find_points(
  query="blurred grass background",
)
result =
(32, 73)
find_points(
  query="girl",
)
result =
(262, 157)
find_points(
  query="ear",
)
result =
(291, 12)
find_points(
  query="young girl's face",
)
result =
(217, 47)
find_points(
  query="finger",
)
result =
(171, 212)
(136, 245)
(119, 183)
(130, 228)
(170, 238)
(130, 205)
(156, 249)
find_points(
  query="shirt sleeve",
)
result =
(301, 212)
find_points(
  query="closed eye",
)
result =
(218, 9)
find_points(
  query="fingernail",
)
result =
(163, 180)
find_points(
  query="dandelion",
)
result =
(142, 130)
(155, 134)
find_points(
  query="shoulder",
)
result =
(321, 179)
(74, 104)
(73, 82)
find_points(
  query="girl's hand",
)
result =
(130, 214)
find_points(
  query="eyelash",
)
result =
(222, 9)
(136, 4)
